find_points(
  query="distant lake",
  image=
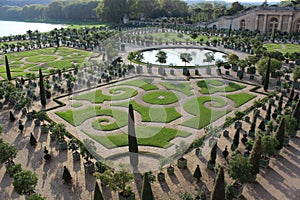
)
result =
(20, 28)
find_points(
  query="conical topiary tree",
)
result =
(262, 125)
(197, 174)
(296, 113)
(32, 140)
(218, 192)
(147, 193)
(236, 137)
(280, 103)
(132, 140)
(8, 74)
(97, 193)
(42, 89)
(268, 113)
(255, 156)
(267, 76)
(280, 134)
(213, 157)
(11, 117)
(66, 175)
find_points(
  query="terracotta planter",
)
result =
(264, 162)
(89, 167)
(161, 176)
(130, 197)
(182, 163)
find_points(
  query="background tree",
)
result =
(161, 57)
(262, 65)
(111, 10)
(7, 152)
(296, 72)
(280, 134)
(24, 182)
(8, 74)
(186, 57)
(36, 196)
(219, 186)
(42, 89)
(255, 156)
(240, 168)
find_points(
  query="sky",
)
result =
(249, 1)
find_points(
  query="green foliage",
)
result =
(296, 75)
(161, 57)
(7, 152)
(269, 144)
(13, 169)
(145, 84)
(255, 156)
(59, 131)
(262, 65)
(116, 180)
(177, 86)
(280, 133)
(186, 57)
(186, 196)
(36, 196)
(290, 124)
(213, 154)
(24, 182)
(240, 168)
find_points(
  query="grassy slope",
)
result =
(185, 88)
(213, 86)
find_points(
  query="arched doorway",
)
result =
(297, 26)
(273, 25)
(242, 24)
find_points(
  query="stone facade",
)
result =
(264, 19)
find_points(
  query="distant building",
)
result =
(264, 19)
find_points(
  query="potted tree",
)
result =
(116, 181)
(162, 163)
(7, 154)
(268, 145)
(240, 170)
(73, 146)
(180, 150)
(59, 131)
(290, 125)
(88, 165)
(42, 116)
(24, 182)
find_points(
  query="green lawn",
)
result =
(76, 104)
(240, 98)
(185, 88)
(203, 115)
(144, 84)
(152, 114)
(77, 117)
(160, 97)
(120, 120)
(214, 85)
(146, 136)
(97, 96)
(48, 56)
(283, 48)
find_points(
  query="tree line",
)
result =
(114, 10)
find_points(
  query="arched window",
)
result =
(297, 26)
(273, 25)
(242, 24)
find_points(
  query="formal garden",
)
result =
(144, 131)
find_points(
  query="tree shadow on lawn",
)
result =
(277, 181)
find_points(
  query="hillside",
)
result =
(23, 2)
